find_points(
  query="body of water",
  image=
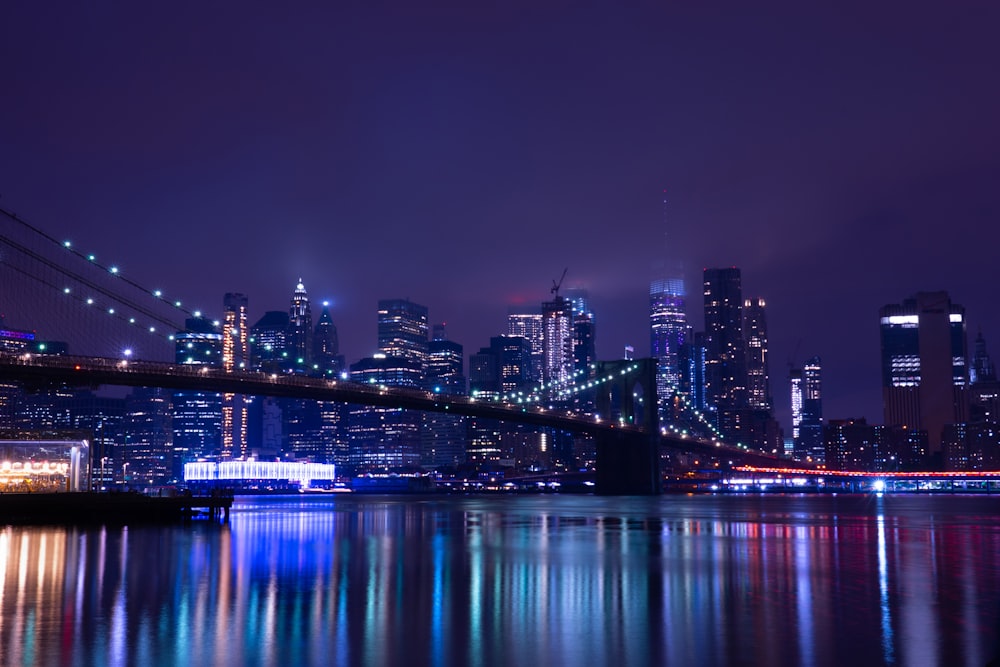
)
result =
(542, 581)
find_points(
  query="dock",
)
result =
(110, 508)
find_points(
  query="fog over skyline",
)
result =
(462, 155)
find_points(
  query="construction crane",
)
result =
(557, 285)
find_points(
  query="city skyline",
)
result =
(464, 157)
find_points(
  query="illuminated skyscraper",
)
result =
(725, 350)
(755, 334)
(235, 357)
(795, 385)
(529, 327)
(924, 373)
(300, 328)
(667, 334)
(557, 341)
(402, 330)
(807, 410)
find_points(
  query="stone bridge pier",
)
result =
(628, 461)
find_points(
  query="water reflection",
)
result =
(490, 581)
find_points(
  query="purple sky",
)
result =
(844, 156)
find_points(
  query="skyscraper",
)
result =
(725, 350)
(235, 357)
(381, 438)
(402, 330)
(795, 388)
(924, 374)
(197, 415)
(326, 359)
(755, 334)
(148, 436)
(529, 327)
(443, 435)
(269, 342)
(810, 443)
(667, 335)
(300, 328)
(557, 341)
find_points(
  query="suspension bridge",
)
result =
(98, 311)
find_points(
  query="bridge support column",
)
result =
(628, 464)
(628, 461)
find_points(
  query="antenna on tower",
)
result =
(557, 285)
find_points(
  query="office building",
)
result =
(924, 374)
(148, 447)
(668, 333)
(559, 361)
(235, 358)
(326, 359)
(725, 350)
(403, 330)
(444, 435)
(197, 415)
(385, 439)
(755, 335)
(269, 341)
(300, 329)
(529, 327)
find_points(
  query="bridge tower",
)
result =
(628, 462)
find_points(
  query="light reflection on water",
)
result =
(546, 580)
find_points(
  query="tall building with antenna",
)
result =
(667, 334)
(668, 326)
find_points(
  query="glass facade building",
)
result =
(925, 376)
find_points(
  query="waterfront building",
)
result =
(235, 358)
(924, 374)
(725, 350)
(854, 444)
(148, 449)
(443, 435)
(197, 415)
(385, 439)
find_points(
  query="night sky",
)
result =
(843, 155)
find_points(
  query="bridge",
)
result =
(627, 434)
(628, 452)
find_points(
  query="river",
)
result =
(534, 580)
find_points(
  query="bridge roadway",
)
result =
(39, 370)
